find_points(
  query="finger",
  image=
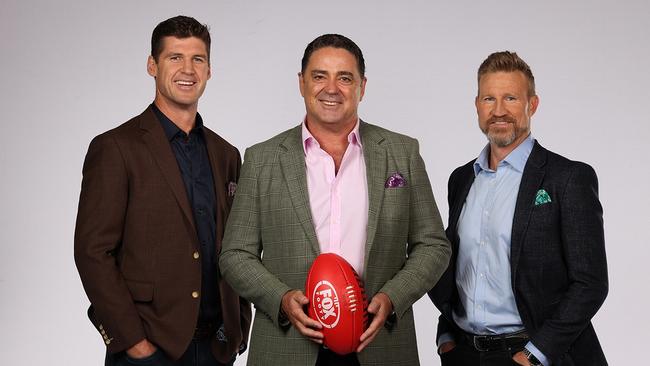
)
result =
(374, 306)
(373, 328)
(366, 342)
(310, 333)
(316, 340)
(301, 298)
(309, 322)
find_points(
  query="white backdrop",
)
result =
(73, 69)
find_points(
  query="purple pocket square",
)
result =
(395, 181)
(232, 187)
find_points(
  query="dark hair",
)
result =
(509, 62)
(179, 27)
(336, 41)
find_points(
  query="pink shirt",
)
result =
(340, 228)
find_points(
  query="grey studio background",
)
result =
(73, 69)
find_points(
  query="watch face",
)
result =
(531, 358)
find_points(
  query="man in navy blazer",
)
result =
(528, 269)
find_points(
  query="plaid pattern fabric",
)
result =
(270, 242)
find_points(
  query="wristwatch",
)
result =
(531, 358)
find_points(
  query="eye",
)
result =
(319, 77)
(346, 79)
(175, 58)
(199, 59)
(487, 99)
(511, 98)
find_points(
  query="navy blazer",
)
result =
(557, 257)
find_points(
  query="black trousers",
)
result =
(329, 358)
(197, 354)
(466, 355)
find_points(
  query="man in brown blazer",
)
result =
(155, 196)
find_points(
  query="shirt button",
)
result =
(195, 255)
(195, 294)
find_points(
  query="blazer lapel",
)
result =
(461, 190)
(531, 180)
(292, 161)
(215, 154)
(158, 144)
(375, 157)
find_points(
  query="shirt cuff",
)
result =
(283, 320)
(444, 338)
(537, 353)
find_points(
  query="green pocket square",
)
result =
(542, 197)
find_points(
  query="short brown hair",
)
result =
(179, 27)
(507, 61)
(334, 41)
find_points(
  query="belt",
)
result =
(495, 342)
(204, 330)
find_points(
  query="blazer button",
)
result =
(108, 341)
(195, 255)
(195, 294)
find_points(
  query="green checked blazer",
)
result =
(270, 243)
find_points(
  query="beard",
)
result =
(504, 136)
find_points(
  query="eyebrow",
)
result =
(181, 54)
(345, 73)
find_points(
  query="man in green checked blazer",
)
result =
(333, 184)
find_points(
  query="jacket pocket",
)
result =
(140, 291)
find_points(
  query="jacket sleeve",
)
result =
(428, 248)
(584, 253)
(246, 315)
(98, 235)
(240, 261)
(441, 294)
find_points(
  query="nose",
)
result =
(331, 87)
(499, 108)
(188, 66)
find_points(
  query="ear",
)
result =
(476, 103)
(363, 87)
(533, 102)
(209, 71)
(152, 68)
(301, 84)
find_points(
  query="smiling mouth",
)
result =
(185, 82)
(330, 103)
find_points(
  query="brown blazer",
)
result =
(136, 245)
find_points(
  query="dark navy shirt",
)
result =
(194, 164)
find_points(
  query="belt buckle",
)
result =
(475, 342)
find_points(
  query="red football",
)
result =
(337, 300)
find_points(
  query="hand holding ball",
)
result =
(338, 301)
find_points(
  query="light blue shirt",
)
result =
(483, 274)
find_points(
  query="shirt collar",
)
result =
(516, 159)
(170, 128)
(309, 141)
